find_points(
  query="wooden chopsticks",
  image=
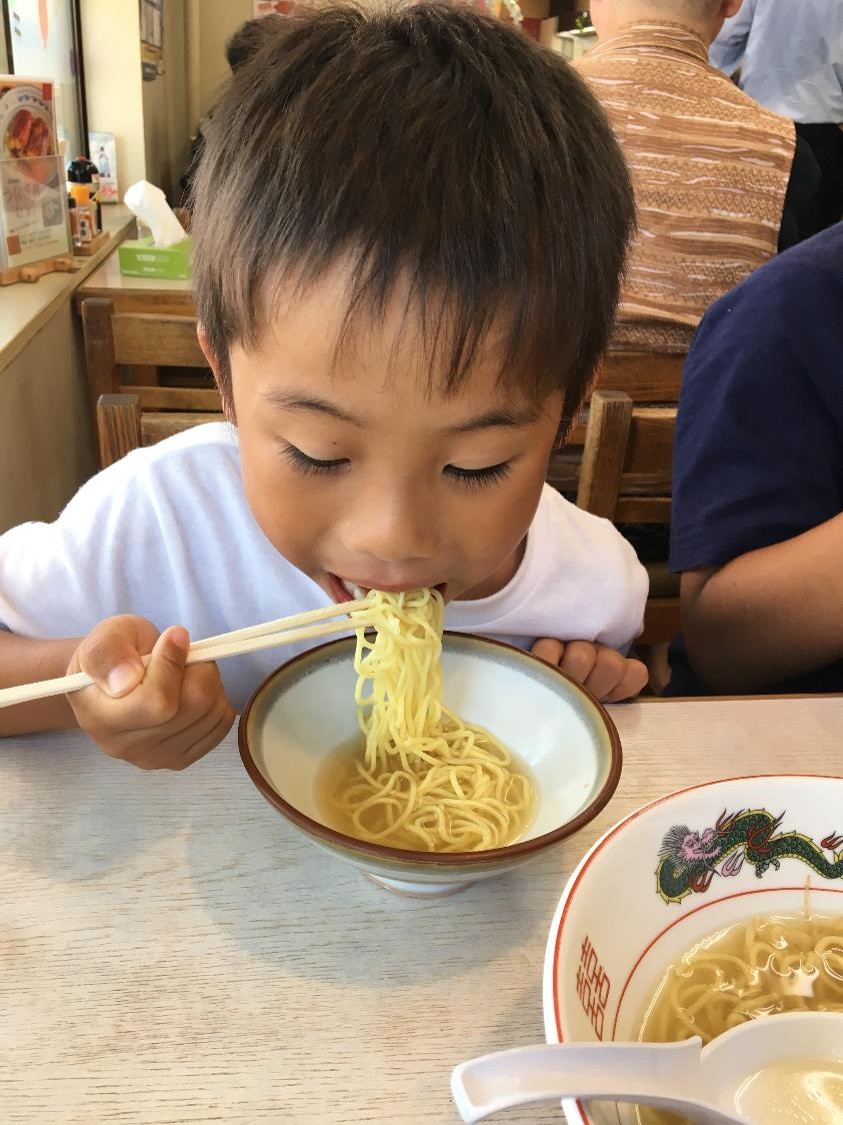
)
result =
(284, 630)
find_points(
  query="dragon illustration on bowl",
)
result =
(689, 860)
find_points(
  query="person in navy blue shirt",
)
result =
(757, 518)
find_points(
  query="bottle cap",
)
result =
(81, 170)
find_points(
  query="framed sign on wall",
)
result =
(152, 37)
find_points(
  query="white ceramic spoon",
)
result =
(701, 1083)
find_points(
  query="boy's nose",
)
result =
(393, 530)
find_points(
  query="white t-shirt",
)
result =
(166, 533)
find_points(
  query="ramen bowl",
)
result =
(305, 710)
(671, 874)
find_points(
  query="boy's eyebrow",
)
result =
(295, 400)
(492, 418)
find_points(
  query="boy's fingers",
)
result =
(633, 682)
(547, 649)
(111, 654)
(180, 734)
(578, 660)
(183, 749)
(607, 673)
(162, 683)
(208, 739)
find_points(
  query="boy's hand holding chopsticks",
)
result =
(157, 700)
(151, 710)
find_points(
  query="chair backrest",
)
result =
(627, 460)
(123, 425)
(142, 341)
(647, 378)
(141, 338)
(626, 476)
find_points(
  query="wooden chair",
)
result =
(647, 378)
(122, 425)
(626, 476)
(145, 343)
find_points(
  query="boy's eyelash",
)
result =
(311, 466)
(468, 478)
(479, 478)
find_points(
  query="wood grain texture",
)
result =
(176, 398)
(118, 426)
(650, 445)
(144, 338)
(644, 376)
(171, 950)
(156, 427)
(99, 349)
(604, 452)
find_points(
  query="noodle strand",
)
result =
(427, 780)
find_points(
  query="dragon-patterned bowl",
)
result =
(669, 875)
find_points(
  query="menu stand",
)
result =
(34, 270)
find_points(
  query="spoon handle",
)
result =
(663, 1075)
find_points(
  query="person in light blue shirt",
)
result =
(790, 57)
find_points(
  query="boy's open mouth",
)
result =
(344, 588)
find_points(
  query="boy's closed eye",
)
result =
(468, 477)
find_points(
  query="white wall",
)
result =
(111, 45)
(149, 119)
(215, 21)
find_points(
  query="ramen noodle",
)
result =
(750, 970)
(424, 780)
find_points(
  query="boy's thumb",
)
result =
(109, 655)
(169, 655)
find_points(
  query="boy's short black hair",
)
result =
(248, 39)
(428, 144)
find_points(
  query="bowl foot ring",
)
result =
(436, 891)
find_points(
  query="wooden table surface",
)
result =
(138, 294)
(172, 951)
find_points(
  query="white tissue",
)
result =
(150, 205)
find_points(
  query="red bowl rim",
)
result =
(554, 941)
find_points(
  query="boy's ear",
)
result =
(221, 378)
(205, 345)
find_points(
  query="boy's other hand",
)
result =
(163, 716)
(603, 671)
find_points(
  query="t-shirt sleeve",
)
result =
(757, 457)
(594, 587)
(59, 579)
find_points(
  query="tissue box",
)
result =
(140, 258)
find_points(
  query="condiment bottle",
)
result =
(80, 177)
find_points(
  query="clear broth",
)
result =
(340, 768)
(747, 971)
(794, 1092)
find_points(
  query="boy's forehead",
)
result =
(314, 335)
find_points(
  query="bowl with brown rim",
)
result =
(305, 710)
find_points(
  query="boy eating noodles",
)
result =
(408, 234)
